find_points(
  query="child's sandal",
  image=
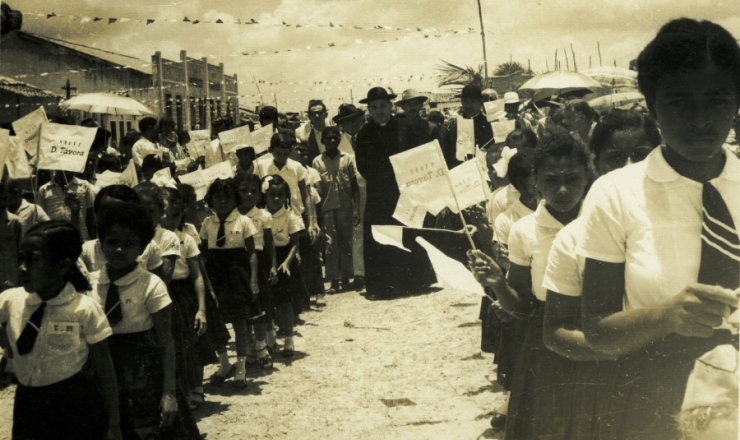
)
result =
(196, 400)
(216, 379)
(239, 384)
(266, 361)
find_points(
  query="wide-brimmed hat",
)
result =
(511, 98)
(347, 111)
(377, 93)
(471, 91)
(410, 94)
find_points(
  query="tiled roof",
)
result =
(111, 57)
(24, 89)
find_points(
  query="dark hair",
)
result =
(130, 216)
(277, 181)
(268, 112)
(330, 129)
(147, 123)
(315, 102)
(244, 177)
(521, 166)
(89, 122)
(151, 161)
(686, 44)
(283, 138)
(522, 135)
(557, 116)
(109, 162)
(223, 186)
(64, 242)
(582, 107)
(152, 192)
(436, 117)
(13, 185)
(164, 121)
(101, 139)
(616, 120)
(224, 122)
(121, 193)
(188, 193)
(562, 145)
(130, 138)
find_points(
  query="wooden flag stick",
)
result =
(35, 187)
(454, 196)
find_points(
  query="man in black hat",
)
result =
(350, 120)
(388, 270)
(472, 105)
(419, 130)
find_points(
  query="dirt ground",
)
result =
(406, 368)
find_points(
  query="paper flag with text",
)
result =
(65, 147)
(27, 129)
(261, 138)
(421, 175)
(200, 180)
(470, 185)
(231, 138)
(198, 140)
(16, 160)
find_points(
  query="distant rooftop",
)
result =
(23, 89)
(122, 60)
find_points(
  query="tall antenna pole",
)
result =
(483, 37)
(598, 47)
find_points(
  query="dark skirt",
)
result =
(229, 272)
(646, 388)
(541, 392)
(181, 338)
(197, 349)
(137, 361)
(218, 334)
(510, 336)
(265, 297)
(70, 409)
(590, 392)
(289, 288)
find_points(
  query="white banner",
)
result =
(198, 141)
(4, 148)
(16, 160)
(421, 174)
(261, 138)
(231, 138)
(408, 212)
(389, 235)
(502, 128)
(127, 177)
(465, 138)
(27, 129)
(470, 185)
(200, 180)
(65, 147)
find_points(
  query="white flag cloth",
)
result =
(408, 212)
(502, 128)
(451, 274)
(470, 185)
(127, 177)
(16, 160)
(4, 145)
(65, 147)
(162, 177)
(200, 180)
(389, 235)
(465, 138)
(231, 138)
(27, 129)
(261, 139)
(421, 174)
(198, 141)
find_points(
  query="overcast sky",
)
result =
(522, 29)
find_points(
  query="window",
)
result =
(168, 105)
(178, 111)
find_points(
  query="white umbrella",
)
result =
(559, 82)
(614, 77)
(106, 103)
(615, 100)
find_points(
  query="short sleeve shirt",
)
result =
(336, 175)
(237, 228)
(188, 249)
(169, 244)
(25, 215)
(529, 245)
(505, 220)
(143, 148)
(500, 201)
(94, 259)
(649, 217)
(52, 196)
(191, 230)
(292, 172)
(71, 323)
(142, 294)
(284, 223)
(262, 220)
(564, 274)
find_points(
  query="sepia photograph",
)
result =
(369, 219)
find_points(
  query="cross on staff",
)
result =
(68, 88)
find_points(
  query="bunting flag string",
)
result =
(238, 21)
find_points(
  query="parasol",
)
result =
(614, 77)
(106, 103)
(616, 100)
(559, 82)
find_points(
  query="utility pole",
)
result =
(598, 47)
(483, 37)
(69, 89)
(575, 66)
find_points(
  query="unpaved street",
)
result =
(406, 368)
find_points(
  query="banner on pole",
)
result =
(16, 160)
(127, 177)
(27, 129)
(237, 136)
(198, 141)
(469, 184)
(421, 174)
(502, 128)
(261, 138)
(65, 147)
(408, 212)
(200, 180)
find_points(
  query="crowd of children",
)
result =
(615, 267)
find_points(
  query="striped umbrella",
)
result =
(614, 77)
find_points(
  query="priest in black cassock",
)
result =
(472, 108)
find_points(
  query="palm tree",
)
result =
(510, 68)
(453, 75)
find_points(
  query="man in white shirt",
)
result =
(148, 143)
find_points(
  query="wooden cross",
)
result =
(69, 89)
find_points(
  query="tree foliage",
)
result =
(510, 68)
(453, 75)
